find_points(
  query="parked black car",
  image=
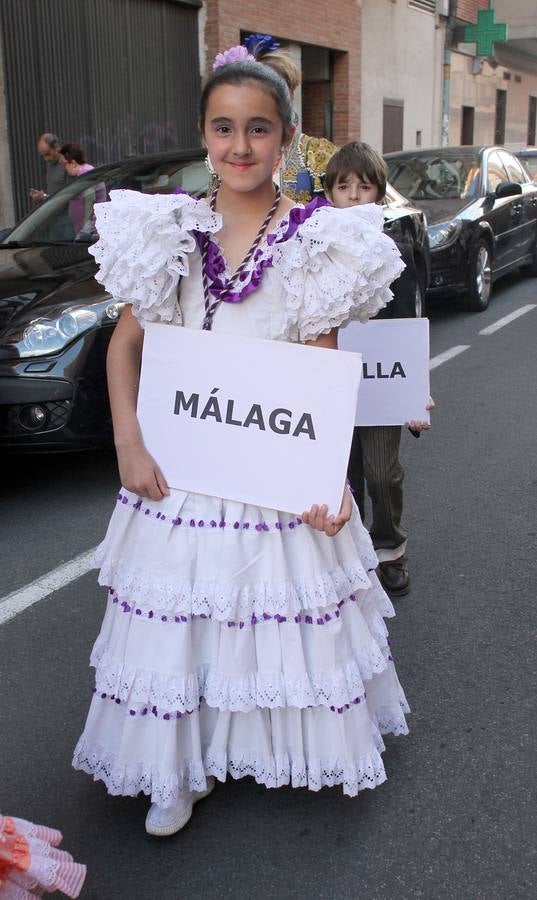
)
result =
(481, 206)
(407, 226)
(56, 320)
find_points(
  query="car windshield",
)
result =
(530, 163)
(436, 176)
(69, 216)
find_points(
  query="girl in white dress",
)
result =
(237, 639)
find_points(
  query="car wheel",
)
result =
(477, 297)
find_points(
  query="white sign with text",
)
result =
(395, 369)
(258, 421)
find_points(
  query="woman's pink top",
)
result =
(78, 207)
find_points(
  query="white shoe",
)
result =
(163, 822)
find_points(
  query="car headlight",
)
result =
(49, 334)
(444, 233)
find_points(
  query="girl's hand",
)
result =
(318, 517)
(139, 472)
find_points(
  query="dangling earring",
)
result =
(214, 178)
(279, 168)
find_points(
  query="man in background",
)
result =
(48, 147)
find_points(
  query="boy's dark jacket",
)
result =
(403, 305)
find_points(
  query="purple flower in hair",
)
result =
(234, 54)
(256, 44)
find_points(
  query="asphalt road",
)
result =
(456, 819)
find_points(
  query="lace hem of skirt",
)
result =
(272, 771)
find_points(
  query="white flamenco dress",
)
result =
(238, 639)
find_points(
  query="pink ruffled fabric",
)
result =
(31, 863)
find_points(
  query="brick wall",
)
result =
(315, 94)
(467, 9)
(335, 25)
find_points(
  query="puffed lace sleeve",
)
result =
(143, 248)
(337, 266)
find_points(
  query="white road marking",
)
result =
(15, 603)
(447, 355)
(490, 329)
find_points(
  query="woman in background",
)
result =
(81, 207)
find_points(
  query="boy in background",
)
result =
(356, 174)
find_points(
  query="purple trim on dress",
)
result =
(347, 706)
(201, 523)
(216, 271)
(241, 623)
(173, 715)
(216, 264)
(144, 710)
(296, 218)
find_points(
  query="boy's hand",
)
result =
(416, 427)
(140, 474)
(318, 517)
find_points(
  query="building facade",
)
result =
(493, 98)
(418, 73)
(325, 39)
(402, 48)
(123, 77)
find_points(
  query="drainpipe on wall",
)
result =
(450, 27)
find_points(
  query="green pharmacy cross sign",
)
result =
(486, 33)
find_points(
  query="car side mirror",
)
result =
(507, 189)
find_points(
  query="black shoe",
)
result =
(394, 577)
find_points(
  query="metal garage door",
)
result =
(120, 77)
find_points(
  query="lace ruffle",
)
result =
(391, 719)
(272, 771)
(181, 692)
(143, 248)
(374, 605)
(231, 601)
(338, 266)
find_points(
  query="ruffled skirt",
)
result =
(237, 640)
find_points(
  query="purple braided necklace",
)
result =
(212, 304)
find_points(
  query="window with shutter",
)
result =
(424, 5)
